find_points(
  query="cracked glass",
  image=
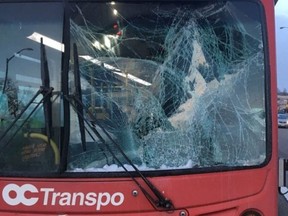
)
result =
(166, 85)
(175, 86)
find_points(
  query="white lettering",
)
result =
(120, 201)
(81, 199)
(54, 197)
(91, 199)
(14, 195)
(46, 194)
(65, 199)
(100, 201)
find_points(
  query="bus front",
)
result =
(137, 108)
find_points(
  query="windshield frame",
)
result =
(65, 136)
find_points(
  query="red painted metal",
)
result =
(226, 193)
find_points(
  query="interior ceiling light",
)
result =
(47, 41)
(115, 70)
(133, 78)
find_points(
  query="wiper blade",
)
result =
(154, 196)
(47, 104)
(46, 91)
(78, 94)
(160, 201)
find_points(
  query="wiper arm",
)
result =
(160, 201)
(78, 94)
(47, 104)
(46, 91)
(156, 198)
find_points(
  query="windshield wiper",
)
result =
(46, 91)
(155, 197)
(78, 94)
(47, 104)
(160, 202)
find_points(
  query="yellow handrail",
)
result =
(52, 143)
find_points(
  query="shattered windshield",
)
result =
(176, 86)
(155, 85)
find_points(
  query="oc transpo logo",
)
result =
(14, 195)
(20, 194)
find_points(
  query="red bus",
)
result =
(138, 108)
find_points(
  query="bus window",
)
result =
(138, 107)
(25, 145)
(175, 86)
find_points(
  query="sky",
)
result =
(281, 17)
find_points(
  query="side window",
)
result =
(27, 142)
